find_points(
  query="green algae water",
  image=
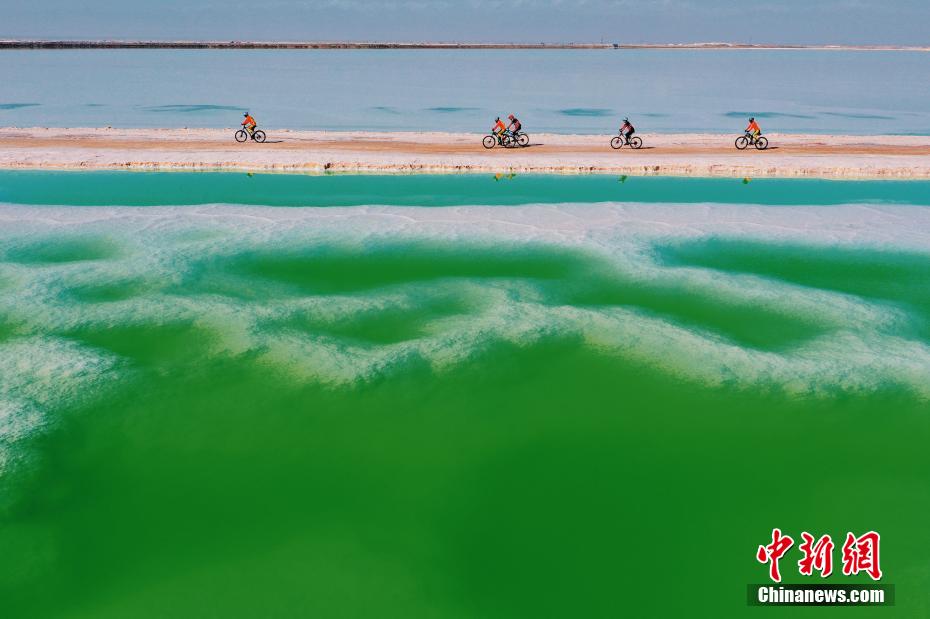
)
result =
(551, 397)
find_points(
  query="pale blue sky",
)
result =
(901, 22)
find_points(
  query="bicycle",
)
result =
(520, 139)
(258, 135)
(506, 139)
(619, 141)
(743, 142)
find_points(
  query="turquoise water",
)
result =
(150, 189)
(564, 91)
(485, 400)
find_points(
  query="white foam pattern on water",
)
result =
(37, 375)
(860, 348)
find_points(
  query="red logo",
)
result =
(817, 556)
(860, 554)
(773, 552)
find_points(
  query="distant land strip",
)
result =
(47, 44)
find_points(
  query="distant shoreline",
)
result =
(66, 44)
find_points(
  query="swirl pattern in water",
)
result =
(410, 405)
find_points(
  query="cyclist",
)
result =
(499, 128)
(754, 130)
(249, 123)
(627, 130)
(515, 124)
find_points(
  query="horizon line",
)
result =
(237, 44)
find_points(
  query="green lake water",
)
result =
(554, 397)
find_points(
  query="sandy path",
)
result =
(305, 151)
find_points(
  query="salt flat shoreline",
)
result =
(435, 45)
(314, 152)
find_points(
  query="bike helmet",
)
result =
(510, 117)
(245, 115)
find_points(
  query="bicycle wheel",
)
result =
(616, 143)
(523, 139)
(489, 141)
(762, 143)
(241, 135)
(742, 142)
(259, 136)
(636, 142)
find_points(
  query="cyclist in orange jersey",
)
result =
(249, 123)
(499, 128)
(754, 129)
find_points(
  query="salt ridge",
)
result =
(309, 152)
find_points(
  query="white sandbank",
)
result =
(819, 156)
